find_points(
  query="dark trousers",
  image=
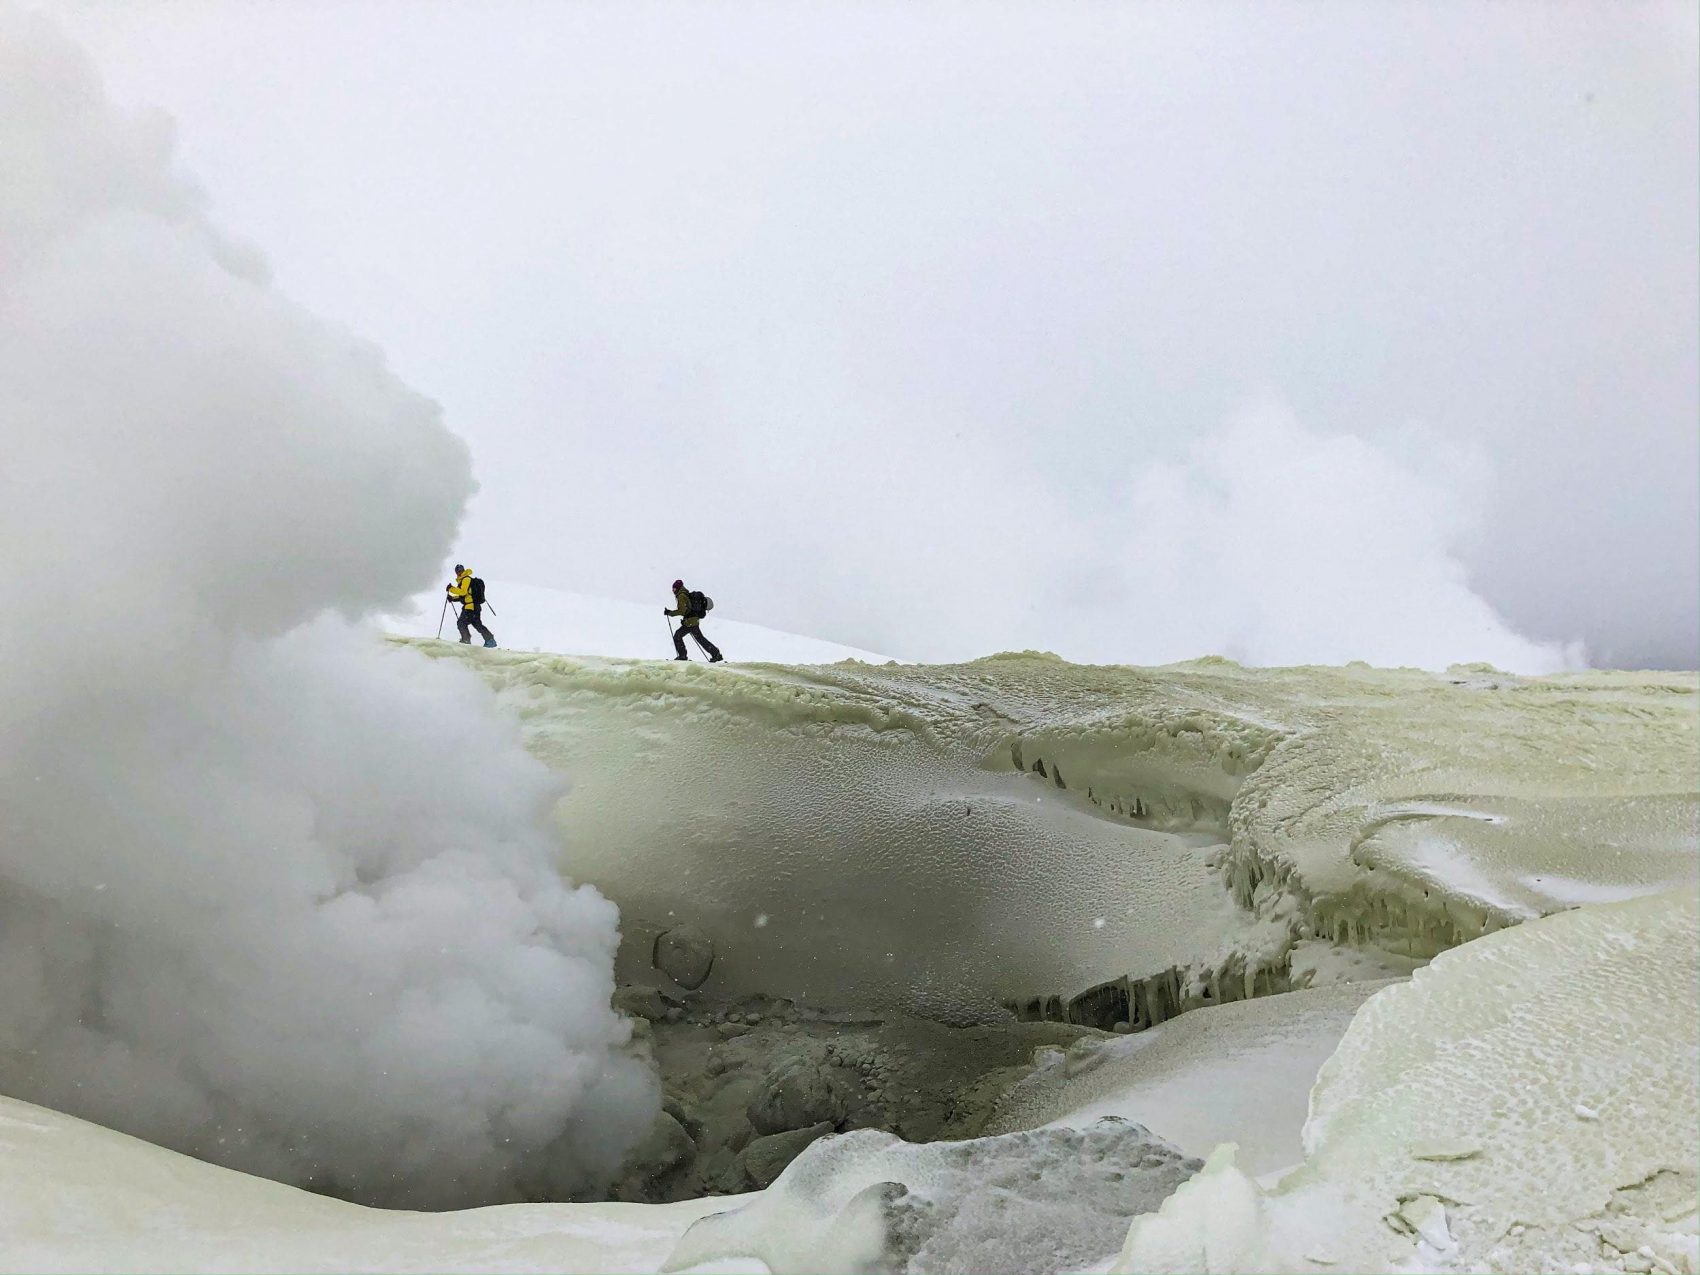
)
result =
(694, 631)
(472, 619)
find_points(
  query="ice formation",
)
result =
(1099, 844)
(1527, 1101)
(1236, 1073)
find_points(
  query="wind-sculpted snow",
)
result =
(1020, 829)
(1425, 812)
(1526, 1102)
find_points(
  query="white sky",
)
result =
(876, 320)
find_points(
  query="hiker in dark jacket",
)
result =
(471, 605)
(692, 606)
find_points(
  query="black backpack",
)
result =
(477, 592)
(701, 604)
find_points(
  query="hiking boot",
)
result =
(715, 659)
(489, 641)
(685, 658)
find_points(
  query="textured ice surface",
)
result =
(1047, 1200)
(1021, 827)
(1528, 1101)
(1228, 1073)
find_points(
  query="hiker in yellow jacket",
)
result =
(469, 592)
(692, 606)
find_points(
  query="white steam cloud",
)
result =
(268, 893)
(1267, 541)
(1273, 544)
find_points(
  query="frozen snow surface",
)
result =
(1229, 1073)
(1526, 1102)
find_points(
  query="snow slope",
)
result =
(527, 617)
(1228, 1073)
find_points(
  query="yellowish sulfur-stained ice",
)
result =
(1086, 843)
(1022, 828)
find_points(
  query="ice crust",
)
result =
(1526, 1102)
(868, 1203)
(1018, 830)
(1226, 1073)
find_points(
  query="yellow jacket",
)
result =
(462, 589)
(682, 600)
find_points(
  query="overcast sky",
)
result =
(926, 327)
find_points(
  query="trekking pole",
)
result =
(443, 619)
(669, 625)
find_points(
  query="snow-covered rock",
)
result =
(868, 1202)
(1020, 829)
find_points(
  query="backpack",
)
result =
(701, 603)
(477, 592)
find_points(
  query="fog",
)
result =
(269, 893)
(839, 310)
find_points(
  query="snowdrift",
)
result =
(77, 1197)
